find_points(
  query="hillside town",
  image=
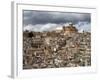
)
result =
(64, 47)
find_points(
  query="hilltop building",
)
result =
(69, 29)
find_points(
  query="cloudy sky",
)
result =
(47, 21)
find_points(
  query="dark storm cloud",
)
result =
(44, 17)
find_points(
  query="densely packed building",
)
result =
(54, 49)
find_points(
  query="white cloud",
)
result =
(83, 26)
(51, 26)
(41, 27)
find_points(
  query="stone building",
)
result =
(69, 29)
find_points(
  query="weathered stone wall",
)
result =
(55, 50)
